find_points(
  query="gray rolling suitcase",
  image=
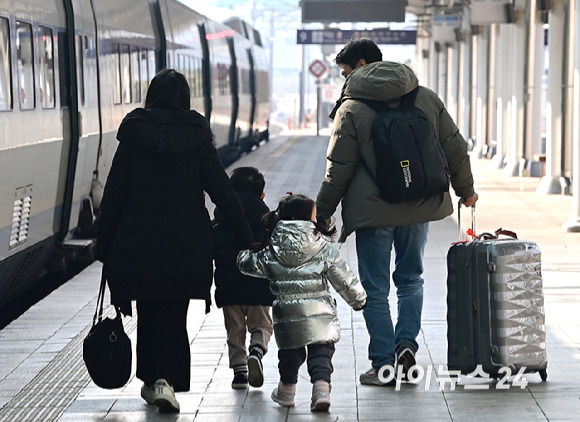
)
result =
(495, 305)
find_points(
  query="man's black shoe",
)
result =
(405, 360)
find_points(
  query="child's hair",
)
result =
(291, 207)
(248, 179)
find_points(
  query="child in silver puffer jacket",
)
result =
(298, 259)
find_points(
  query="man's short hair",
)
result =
(355, 50)
(248, 179)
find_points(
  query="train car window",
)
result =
(193, 86)
(246, 81)
(126, 74)
(25, 68)
(117, 79)
(135, 74)
(152, 69)
(179, 64)
(257, 38)
(144, 69)
(223, 79)
(185, 68)
(90, 70)
(191, 79)
(46, 57)
(81, 45)
(5, 72)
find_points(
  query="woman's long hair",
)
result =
(296, 207)
(168, 90)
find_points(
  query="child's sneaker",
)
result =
(240, 380)
(165, 397)
(256, 376)
(320, 396)
(284, 394)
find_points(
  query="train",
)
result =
(70, 70)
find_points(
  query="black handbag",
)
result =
(107, 348)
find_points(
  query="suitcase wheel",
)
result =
(543, 374)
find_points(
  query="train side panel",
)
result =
(35, 140)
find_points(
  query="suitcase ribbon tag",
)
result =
(468, 232)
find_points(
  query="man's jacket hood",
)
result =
(380, 81)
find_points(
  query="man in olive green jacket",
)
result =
(380, 226)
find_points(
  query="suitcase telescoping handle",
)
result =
(473, 233)
(459, 204)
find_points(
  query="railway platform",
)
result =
(43, 378)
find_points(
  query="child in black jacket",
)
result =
(245, 300)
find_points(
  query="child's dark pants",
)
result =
(319, 362)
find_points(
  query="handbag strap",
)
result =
(100, 299)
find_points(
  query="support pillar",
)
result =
(532, 89)
(452, 80)
(573, 223)
(491, 139)
(442, 75)
(502, 90)
(479, 104)
(551, 182)
(464, 91)
(515, 105)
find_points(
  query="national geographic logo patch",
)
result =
(405, 165)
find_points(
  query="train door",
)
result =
(89, 119)
(220, 87)
(241, 90)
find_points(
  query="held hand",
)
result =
(361, 308)
(470, 202)
(325, 223)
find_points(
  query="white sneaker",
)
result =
(165, 397)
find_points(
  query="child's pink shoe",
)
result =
(284, 394)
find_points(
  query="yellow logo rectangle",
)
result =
(405, 163)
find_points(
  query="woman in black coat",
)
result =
(154, 234)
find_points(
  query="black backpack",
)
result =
(411, 163)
